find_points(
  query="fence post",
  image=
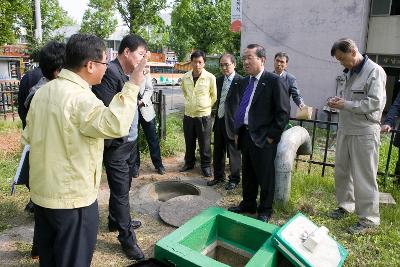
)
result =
(328, 132)
(3, 101)
(163, 117)
(313, 139)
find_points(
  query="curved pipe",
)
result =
(295, 139)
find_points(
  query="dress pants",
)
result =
(258, 170)
(119, 163)
(149, 130)
(222, 144)
(356, 166)
(197, 128)
(66, 237)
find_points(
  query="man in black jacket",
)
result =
(260, 119)
(120, 154)
(228, 86)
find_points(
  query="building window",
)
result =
(395, 9)
(385, 7)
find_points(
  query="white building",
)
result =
(307, 29)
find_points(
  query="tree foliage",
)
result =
(11, 12)
(53, 17)
(202, 24)
(143, 18)
(139, 14)
(99, 18)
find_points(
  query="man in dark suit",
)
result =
(228, 86)
(120, 153)
(260, 119)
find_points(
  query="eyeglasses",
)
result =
(225, 65)
(104, 63)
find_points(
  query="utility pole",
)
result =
(38, 22)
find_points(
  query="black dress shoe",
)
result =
(133, 253)
(214, 182)
(264, 217)
(161, 170)
(186, 167)
(112, 226)
(35, 251)
(240, 209)
(30, 208)
(230, 186)
(206, 172)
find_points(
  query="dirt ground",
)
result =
(15, 243)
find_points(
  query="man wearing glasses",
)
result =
(66, 127)
(228, 86)
(120, 153)
(259, 121)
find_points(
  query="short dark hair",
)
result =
(260, 50)
(132, 42)
(230, 56)
(344, 45)
(282, 54)
(51, 58)
(197, 54)
(82, 48)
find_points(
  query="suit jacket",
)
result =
(294, 92)
(270, 109)
(111, 84)
(145, 93)
(27, 82)
(232, 102)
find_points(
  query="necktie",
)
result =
(240, 112)
(224, 92)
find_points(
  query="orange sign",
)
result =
(13, 50)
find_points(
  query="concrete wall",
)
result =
(306, 30)
(384, 35)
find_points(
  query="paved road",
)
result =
(174, 98)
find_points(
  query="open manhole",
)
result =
(148, 198)
(166, 190)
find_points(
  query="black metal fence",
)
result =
(9, 100)
(9, 105)
(325, 139)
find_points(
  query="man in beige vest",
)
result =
(361, 103)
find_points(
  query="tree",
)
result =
(11, 12)
(139, 14)
(53, 17)
(99, 18)
(202, 24)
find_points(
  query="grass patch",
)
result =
(8, 125)
(173, 144)
(11, 207)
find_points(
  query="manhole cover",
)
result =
(179, 210)
(149, 197)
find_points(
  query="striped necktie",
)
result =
(224, 92)
(240, 112)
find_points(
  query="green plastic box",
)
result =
(216, 238)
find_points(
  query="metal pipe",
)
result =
(294, 140)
